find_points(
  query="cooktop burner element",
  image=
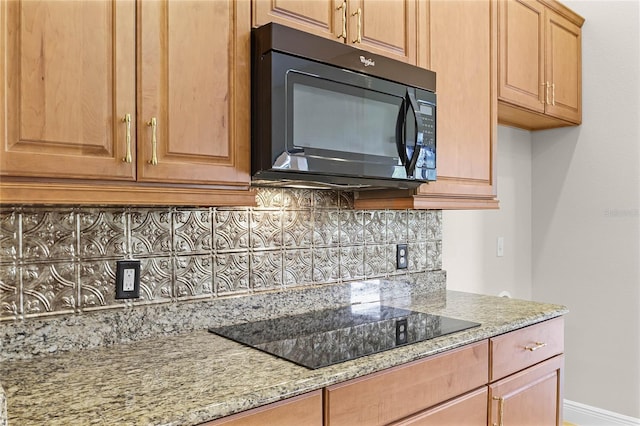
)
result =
(321, 338)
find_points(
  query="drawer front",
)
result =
(522, 348)
(393, 394)
(466, 410)
(300, 410)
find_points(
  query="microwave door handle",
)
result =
(401, 144)
(411, 162)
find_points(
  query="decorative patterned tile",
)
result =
(9, 243)
(351, 227)
(156, 277)
(297, 199)
(375, 227)
(346, 200)
(9, 292)
(266, 270)
(324, 199)
(269, 198)
(416, 226)
(150, 232)
(434, 255)
(103, 233)
(193, 231)
(434, 225)
(48, 234)
(352, 263)
(49, 288)
(266, 229)
(98, 284)
(326, 264)
(326, 228)
(297, 228)
(376, 261)
(194, 276)
(297, 267)
(231, 229)
(417, 257)
(396, 226)
(231, 273)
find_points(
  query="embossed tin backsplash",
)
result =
(61, 260)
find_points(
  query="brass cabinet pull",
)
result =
(543, 85)
(500, 411)
(546, 93)
(344, 20)
(153, 123)
(535, 347)
(127, 120)
(359, 13)
(553, 94)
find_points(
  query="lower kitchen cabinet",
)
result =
(300, 410)
(530, 397)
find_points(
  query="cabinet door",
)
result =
(564, 68)
(67, 73)
(521, 53)
(466, 410)
(193, 73)
(385, 27)
(531, 397)
(462, 50)
(319, 17)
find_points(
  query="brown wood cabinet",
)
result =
(385, 27)
(115, 102)
(461, 41)
(300, 410)
(540, 64)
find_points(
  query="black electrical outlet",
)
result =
(402, 256)
(127, 279)
(401, 331)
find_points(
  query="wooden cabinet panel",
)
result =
(319, 17)
(301, 410)
(540, 78)
(393, 394)
(466, 410)
(199, 99)
(385, 27)
(64, 97)
(519, 349)
(531, 397)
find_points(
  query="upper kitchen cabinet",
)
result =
(460, 43)
(540, 64)
(124, 102)
(385, 27)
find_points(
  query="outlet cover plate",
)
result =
(402, 256)
(127, 279)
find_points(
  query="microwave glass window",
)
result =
(337, 117)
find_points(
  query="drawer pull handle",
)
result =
(535, 347)
(127, 121)
(343, 34)
(500, 410)
(153, 123)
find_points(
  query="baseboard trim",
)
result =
(586, 415)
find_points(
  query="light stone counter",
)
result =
(196, 376)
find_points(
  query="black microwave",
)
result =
(328, 115)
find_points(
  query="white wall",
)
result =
(586, 222)
(469, 237)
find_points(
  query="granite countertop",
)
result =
(193, 377)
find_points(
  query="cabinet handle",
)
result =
(153, 123)
(546, 93)
(344, 20)
(359, 13)
(553, 94)
(535, 347)
(127, 120)
(500, 410)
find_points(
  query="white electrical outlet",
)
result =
(500, 247)
(129, 279)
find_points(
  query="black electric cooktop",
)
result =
(321, 338)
